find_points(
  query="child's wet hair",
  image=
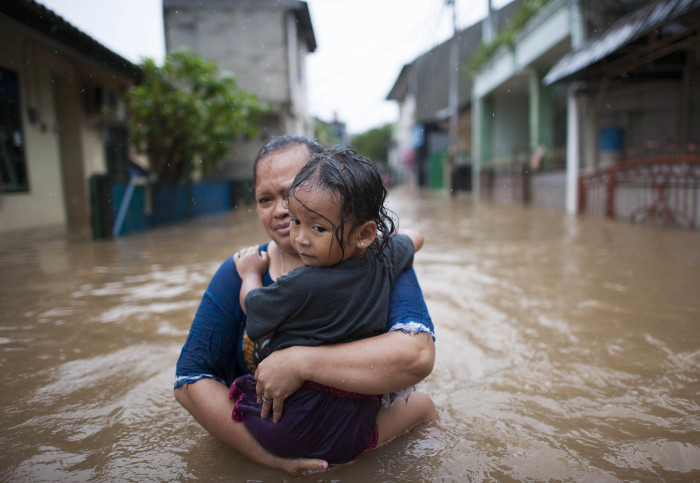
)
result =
(356, 182)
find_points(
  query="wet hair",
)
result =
(356, 182)
(280, 143)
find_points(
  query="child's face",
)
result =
(314, 217)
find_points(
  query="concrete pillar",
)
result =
(477, 113)
(541, 113)
(573, 150)
(482, 122)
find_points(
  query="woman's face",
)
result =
(273, 174)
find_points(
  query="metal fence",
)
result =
(662, 190)
(120, 207)
(520, 184)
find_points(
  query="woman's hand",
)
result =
(278, 376)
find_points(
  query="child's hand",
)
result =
(251, 261)
(251, 264)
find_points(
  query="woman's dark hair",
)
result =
(357, 184)
(280, 143)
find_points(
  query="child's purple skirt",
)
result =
(317, 422)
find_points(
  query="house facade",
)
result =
(264, 44)
(634, 114)
(594, 85)
(55, 84)
(519, 123)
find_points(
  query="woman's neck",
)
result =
(282, 262)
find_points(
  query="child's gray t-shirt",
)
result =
(325, 305)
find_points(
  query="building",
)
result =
(595, 85)
(264, 44)
(62, 118)
(519, 123)
(633, 109)
(422, 91)
(580, 105)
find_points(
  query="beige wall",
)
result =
(64, 147)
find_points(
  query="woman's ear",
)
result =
(365, 234)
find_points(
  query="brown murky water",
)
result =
(568, 349)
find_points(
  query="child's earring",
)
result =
(362, 244)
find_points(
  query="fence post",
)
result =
(610, 200)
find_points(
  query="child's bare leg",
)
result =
(400, 417)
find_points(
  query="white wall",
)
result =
(43, 204)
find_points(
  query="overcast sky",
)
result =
(362, 45)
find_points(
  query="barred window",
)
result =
(13, 167)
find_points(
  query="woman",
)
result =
(213, 357)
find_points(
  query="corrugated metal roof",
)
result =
(626, 30)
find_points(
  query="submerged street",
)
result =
(567, 348)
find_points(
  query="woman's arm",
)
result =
(207, 400)
(378, 365)
(416, 237)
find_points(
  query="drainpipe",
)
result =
(489, 24)
(477, 115)
(453, 99)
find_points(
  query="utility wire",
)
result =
(409, 34)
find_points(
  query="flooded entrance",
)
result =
(567, 348)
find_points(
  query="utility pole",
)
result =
(453, 97)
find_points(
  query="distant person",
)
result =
(341, 294)
(396, 359)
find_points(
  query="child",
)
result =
(336, 209)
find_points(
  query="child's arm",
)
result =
(416, 237)
(251, 264)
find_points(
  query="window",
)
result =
(13, 167)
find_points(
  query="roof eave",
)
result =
(41, 19)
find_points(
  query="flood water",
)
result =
(567, 349)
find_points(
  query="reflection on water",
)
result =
(568, 349)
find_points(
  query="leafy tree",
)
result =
(187, 108)
(328, 133)
(505, 37)
(374, 143)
